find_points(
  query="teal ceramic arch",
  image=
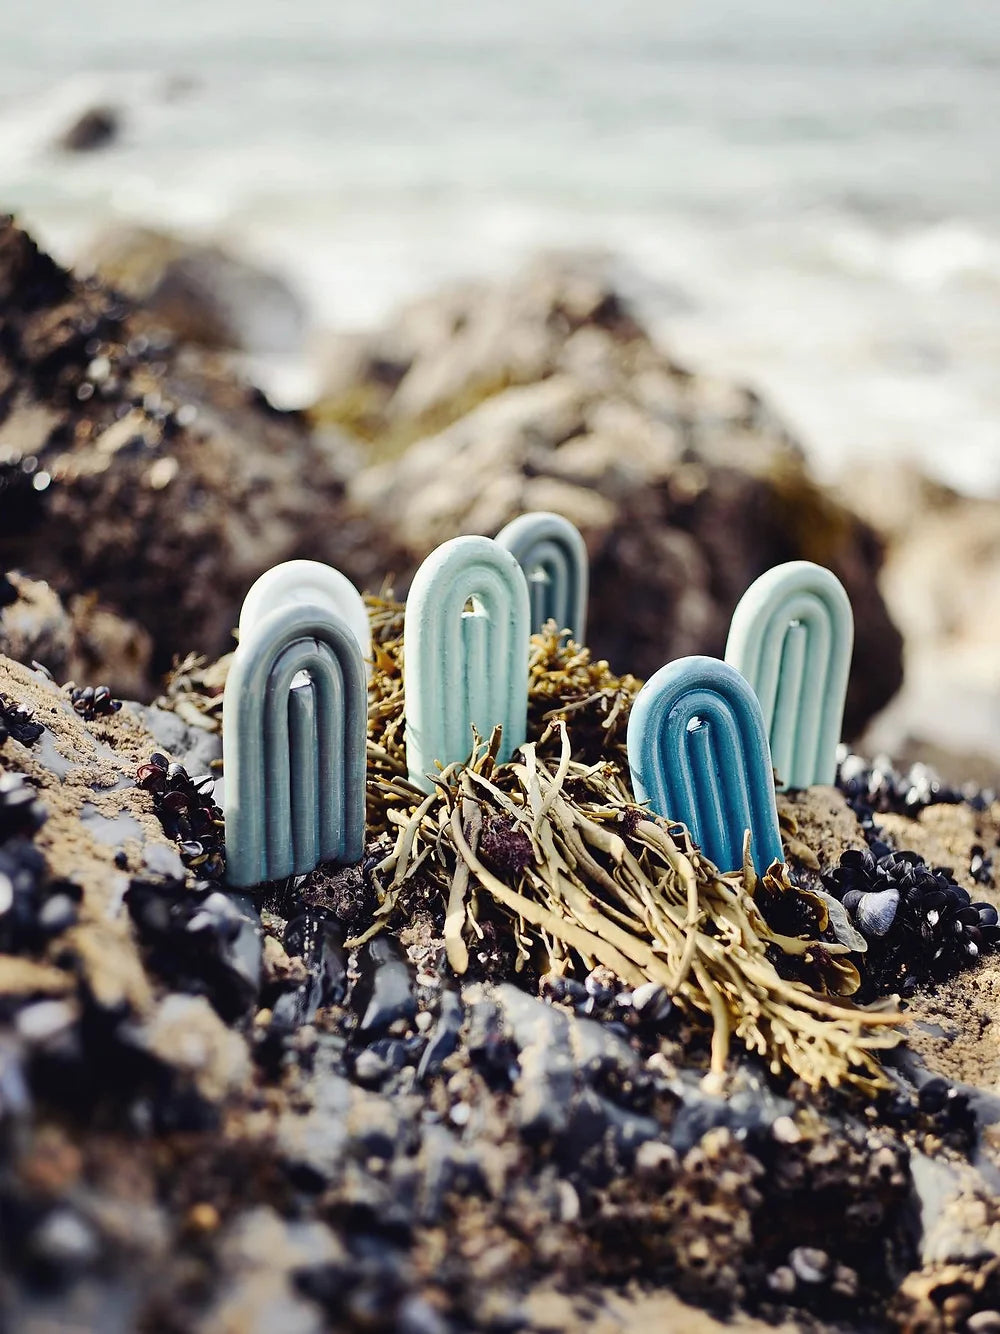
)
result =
(791, 637)
(308, 581)
(553, 556)
(698, 753)
(465, 651)
(295, 758)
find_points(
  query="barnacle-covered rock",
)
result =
(713, 1203)
(948, 1298)
(74, 829)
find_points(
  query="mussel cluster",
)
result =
(92, 702)
(919, 924)
(17, 723)
(875, 787)
(198, 940)
(33, 907)
(188, 814)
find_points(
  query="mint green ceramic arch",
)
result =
(464, 668)
(313, 582)
(295, 758)
(791, 637)
(553, 555)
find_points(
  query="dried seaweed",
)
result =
(193, 690)
(611, 884)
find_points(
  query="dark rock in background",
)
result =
(94, 128)
(201, 293)
(84, 642)
(546, 394)
(149, 474)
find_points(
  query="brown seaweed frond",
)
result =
(193, 690)
(588, 876)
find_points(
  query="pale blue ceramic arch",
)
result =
(295, 759)
(553, 555)
(698, 753)
(464, 668)
(792, 636)
(313, 582)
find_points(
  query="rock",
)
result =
(99, 838)
(147, 474)
(202, 293)
(95, 128)
(546, 394)
(319, 941)
(85, 642)
(261, 1256)
(941, 581)
(384, 991)
(444, 1038)
(750, 1109)
(185, 1032)
(809, 1264)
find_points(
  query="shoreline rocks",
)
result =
(548, 395)
(941, 581)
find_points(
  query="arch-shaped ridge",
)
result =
(699, 754)
(792, 636)
(553, 555)
(464, 669)
(308, 581)
(295, 757)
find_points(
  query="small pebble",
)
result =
(370, 1068)
(809, 1264)
(203, 1217)
(984, 1322)
(781, 1281)
(64, 1239)
(785, 1131)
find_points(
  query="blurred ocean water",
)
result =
(806, 197)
